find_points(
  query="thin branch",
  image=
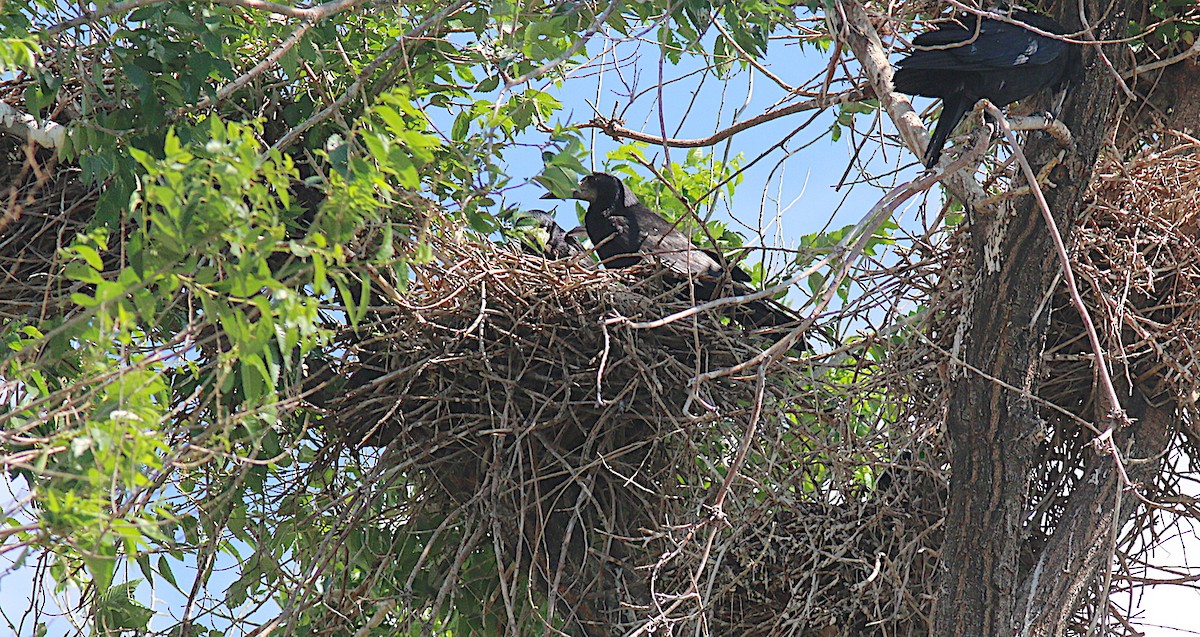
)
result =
(849, 250)
(1053, 127)
(1114, 416)
(581, 42)
(613, 128)
(852, 25)
(752, 61)
(1087, 29)
(267, 62)
(1192, 51)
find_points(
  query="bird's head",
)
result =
(529, 218)
(605, 190)
(532, 228)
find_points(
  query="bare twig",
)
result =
(614, 129)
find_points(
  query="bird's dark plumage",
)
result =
(540, 234)
(623, 230)
(969, 59)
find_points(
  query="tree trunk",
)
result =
(993, 428)
(1066, 570)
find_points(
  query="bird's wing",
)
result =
(998, 45)
(660, 238)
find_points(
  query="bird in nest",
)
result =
(539, 234)
(625, 232)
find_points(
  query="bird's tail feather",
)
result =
(953, 109)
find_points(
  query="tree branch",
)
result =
(613, 128)
(582, 41)
(261, 67)
(853, 26)
(353, 90)
(1192, 51)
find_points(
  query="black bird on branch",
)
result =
(539, 234)
(623, 231)
(968, 59)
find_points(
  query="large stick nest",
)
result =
(45, 206)
(582, 449)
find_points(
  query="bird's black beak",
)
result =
(549, 195)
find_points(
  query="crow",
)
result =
(539, 234)
(968, 59)
(623, 231)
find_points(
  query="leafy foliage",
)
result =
(263, 180)
(255, 185)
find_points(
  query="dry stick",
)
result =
(612, 128)
(760, 388)
(1106, 591)
(1024, 393)
(1053, 127)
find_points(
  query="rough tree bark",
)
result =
(1081, 546)
(993, 429)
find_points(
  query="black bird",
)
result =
(970, 59)
(622, 230)
(541, 235)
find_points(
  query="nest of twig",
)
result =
(582, 449)
(524, 410)
(1139, 262)
(45, 205)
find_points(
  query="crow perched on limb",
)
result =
(969, 59)
(623, 230)
(541, 235)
